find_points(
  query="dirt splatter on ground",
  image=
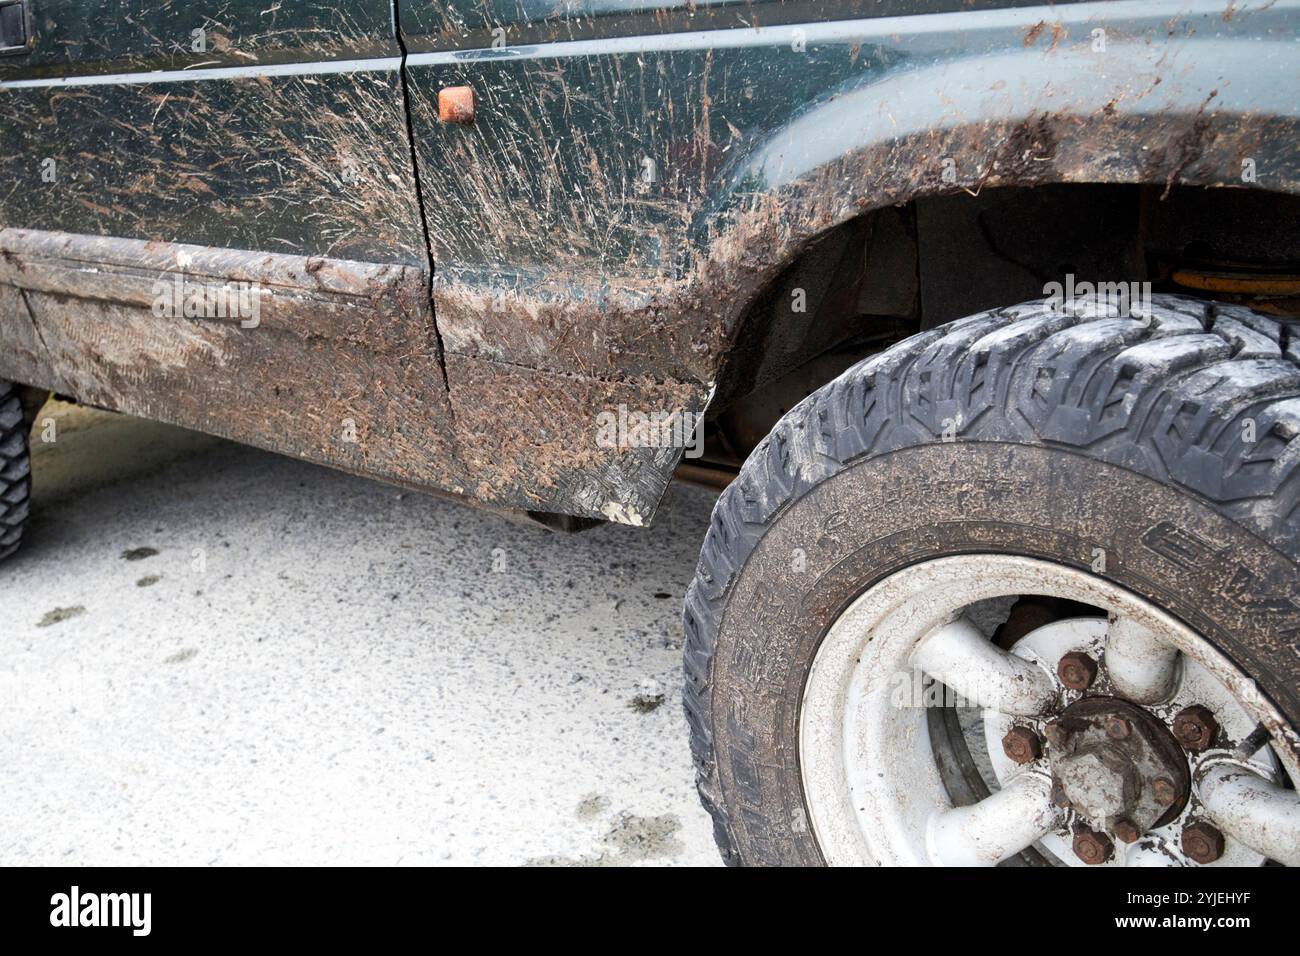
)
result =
(139, 554)
(644, 838)
(632, 839)
(148, 580)
(649, 696)
(60, 614)
(180, 657)
(592, 805)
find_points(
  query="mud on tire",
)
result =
(1168, 442)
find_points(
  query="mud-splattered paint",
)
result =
(597, 234)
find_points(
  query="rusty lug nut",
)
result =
(1077, 670)
(1195, 727)
(1092, 847)
(1022, 745)
(1163, 789)
(1118, 728)
(456, 104)
(1126, 830)
(1202, 842)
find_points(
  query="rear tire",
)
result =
(15, 469)
(1157, 456)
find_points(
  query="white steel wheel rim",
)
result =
(872, 790)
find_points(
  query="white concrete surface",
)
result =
(315, 669)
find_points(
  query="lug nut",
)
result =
(1163, 789)
(1126, 830)
(1118, 728)
(1202, 842)
(1195, 727)
(1077, 670)
(1022, 745)
(1092, 847)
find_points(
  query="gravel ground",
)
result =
(210, 654)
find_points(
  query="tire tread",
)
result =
(15, 470)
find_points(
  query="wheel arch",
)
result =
(1023, 103)
(1012, 100)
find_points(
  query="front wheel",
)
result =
(1020, 589)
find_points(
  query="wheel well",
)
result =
(902, 269)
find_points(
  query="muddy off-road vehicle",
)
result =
(978, 311)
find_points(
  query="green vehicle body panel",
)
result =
(304, 160)
(636, 175)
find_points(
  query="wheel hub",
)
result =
(1117, 766)
(885, 782)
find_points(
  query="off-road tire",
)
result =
(1023, 430)
(15, 469)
